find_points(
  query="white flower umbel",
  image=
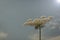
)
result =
(38, 22)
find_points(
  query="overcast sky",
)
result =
(13, 14)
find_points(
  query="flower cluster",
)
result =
(38, 22)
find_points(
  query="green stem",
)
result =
(39, 33)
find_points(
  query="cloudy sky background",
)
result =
(13, 13)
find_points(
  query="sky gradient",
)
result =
(13, 14)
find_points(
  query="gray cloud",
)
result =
(3, 36)
(55, 38)
(53, 29)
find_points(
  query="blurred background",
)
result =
(13, 14)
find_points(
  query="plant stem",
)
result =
(39, 33)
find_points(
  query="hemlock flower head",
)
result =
(38, 22)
